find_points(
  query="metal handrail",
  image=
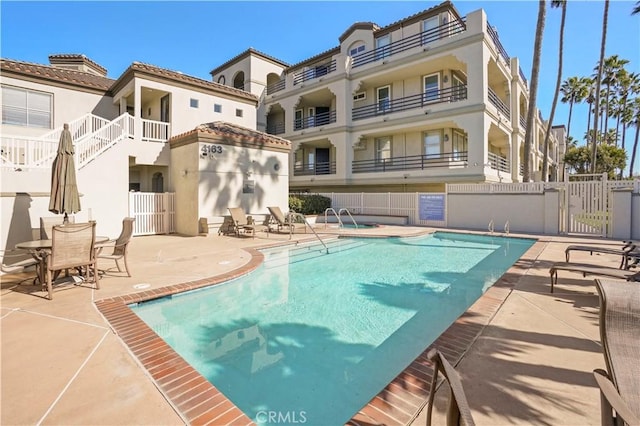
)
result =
(348, 213)
(292, 215)
(420, 100)
(326, 212)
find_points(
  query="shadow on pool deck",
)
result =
(530, 361)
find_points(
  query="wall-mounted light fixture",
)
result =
(445, 79)
(446, 137)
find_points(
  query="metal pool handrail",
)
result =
(340, 212)
(331, 209)
(292, 215)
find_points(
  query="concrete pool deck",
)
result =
(530, 361)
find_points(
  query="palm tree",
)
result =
(573, 90)
(545, 162)
(636, 9)
(636, 123)
(611, 72)
(594, 152)
(535, 76)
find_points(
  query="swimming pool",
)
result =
(308, 331)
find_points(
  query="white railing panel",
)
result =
(155, 131)
(154, 212)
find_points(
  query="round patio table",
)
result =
(39, 249)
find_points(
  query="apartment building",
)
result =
(150, 131)
(430, 99)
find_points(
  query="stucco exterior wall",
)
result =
(104, 198)
(207, 185)
(68, 105)
(185, 118)
(474, 211)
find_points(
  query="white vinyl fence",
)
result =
(154, 212)
(590, 207)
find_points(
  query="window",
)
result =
(384, 98)
(382, 47)
(222, 80)
(356, 49)
(432, 143)
(297, 121)
(360, 96)
(429, 29)
(193, 103)
(217, 108)
(458, 89)
(459, 145)
(28, 108)
(383, 150)
(238, 112)
(431, 88)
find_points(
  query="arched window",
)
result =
(221, 79)
(238, 81)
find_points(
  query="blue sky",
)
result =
(195, 37)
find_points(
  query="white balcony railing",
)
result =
(91, 135)
(155, 131)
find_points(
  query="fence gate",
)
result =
(587, 207)
(154, 212)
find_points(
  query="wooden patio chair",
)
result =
(118, 249)
(16, 260)
(241, 223)
(72, 246)
(458, 411)
(48, 222)
(280, 220)
(619, 331)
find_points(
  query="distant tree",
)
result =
(594, 150)
(545, 151)
(533, 90)
(609, 159)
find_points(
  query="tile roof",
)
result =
(224, 128)
(75, 57)
(175, 76)
(248, 52)
(54, 74)
(239, 135)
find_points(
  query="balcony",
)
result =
(498, 163)
(497, 102)
(413, 162)
(523, 123)
(317, 120)
(275, 128)
(313, 169)
(450, 94)
(496, 41)
(275, 87)
(443, 31)
(314, 72)
(524, 79)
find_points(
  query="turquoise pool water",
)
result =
(313, 336)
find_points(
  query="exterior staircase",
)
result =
(92, 135)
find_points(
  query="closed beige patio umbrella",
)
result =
(64, 188)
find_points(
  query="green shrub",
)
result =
(309, 204)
